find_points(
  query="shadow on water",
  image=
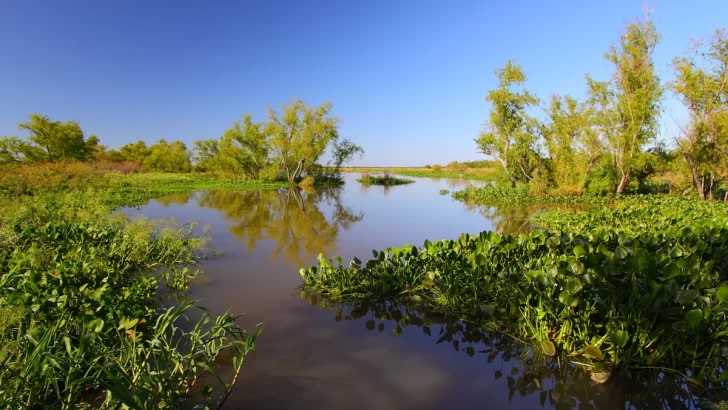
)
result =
(521, 370)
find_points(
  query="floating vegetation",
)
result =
(640, 285)
(444, 192)
(386, 180)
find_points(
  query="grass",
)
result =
(639, 285)
(81, 324)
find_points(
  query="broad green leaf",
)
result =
(686, 297)
(619, 337)
(579, 250)
(547, 347)
(722, 294)
(694, 317)
(593, 352)
(621, 252)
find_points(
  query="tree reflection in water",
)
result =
(291, 217)
(558, 385)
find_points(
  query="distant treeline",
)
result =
(286, 147)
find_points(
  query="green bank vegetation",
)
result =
(287, 147)
(606, 143)
(81, 322)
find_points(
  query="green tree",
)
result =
(299, 136)
(629, 105)
(572, 142)
(137, 151)
(206, 154)
(168, 157)
(701, 83)
(509, 135)
(244, 148)
(48, 141)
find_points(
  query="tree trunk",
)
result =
(699, 185)
(623, 183)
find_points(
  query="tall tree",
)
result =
(629, 104)
(138, 151)
(509, 134)
(701, 83)
(572, 142)
(168, 157)
(244, 148)
(48, 141)
(299, 136)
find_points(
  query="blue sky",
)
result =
(407, 78)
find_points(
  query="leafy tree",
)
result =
(629, 104)
(299, 136)
(206, 155)
(244, 148)
(572, 142)
(168, 157)
(48, 141)
(136, 151)
(508, 136)
(701, 82)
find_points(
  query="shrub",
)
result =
(437, 168)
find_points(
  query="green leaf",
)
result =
(480, 259)
(397, 330)
(593, 352)
(694, 317)
(620, 337)
(577, 267)
(574, 285)
(671, 270)
(722, 294)
(680, 326)
(621, 252)
(579, 250)
(686, 297)
(547, 347)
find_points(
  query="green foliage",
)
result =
(48, 141)
(521, 195)
(701, 81)
(607, 289)
(286, 147)
(91, 330)
(386, 180)
(168, 157)
(437, 168)
(572, 142)
(137, 151)
(444, 192)
(509, 135)
(629, 105)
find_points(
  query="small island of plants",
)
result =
(386, 179)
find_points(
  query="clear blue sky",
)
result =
(407, 78)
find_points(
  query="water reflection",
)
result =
(517, 366)
(293, 218)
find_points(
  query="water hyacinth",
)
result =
(608, 297)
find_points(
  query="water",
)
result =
(373, 357)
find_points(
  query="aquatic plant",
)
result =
(605, 295)
(386, 180)
(82, 322)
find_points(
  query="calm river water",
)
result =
(372, 357)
